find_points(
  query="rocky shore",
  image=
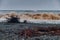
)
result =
(15, 31)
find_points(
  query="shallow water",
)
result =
(7, 31)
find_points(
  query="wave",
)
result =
(34, 21)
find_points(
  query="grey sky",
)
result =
(29, 4)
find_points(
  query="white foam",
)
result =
(34, 21)
(3, 20)
(40, 21)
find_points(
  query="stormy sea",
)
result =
(11, 31)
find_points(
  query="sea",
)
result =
(30, 11)
(8, 30)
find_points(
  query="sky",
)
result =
(29, 4)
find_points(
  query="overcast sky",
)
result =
(29, 4)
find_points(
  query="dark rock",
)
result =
(37, 39)
(13, 20)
